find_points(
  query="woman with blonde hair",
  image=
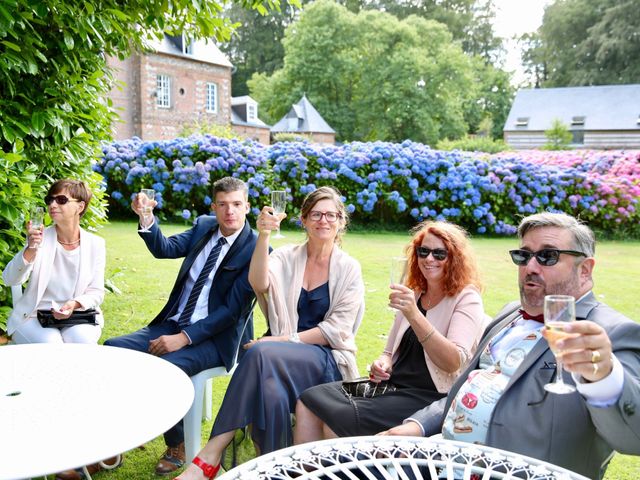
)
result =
(437, 327)
(313, 298)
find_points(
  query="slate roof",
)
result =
(606, 107)
(202, 50)
(308, 120)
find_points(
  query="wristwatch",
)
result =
(295, 338)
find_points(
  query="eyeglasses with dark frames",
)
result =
(437, 253)
(331, 217)
(547, 257)
(59, 199)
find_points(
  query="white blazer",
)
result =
(89, 291)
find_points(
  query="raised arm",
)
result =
(259, 268)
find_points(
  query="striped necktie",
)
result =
(185, 316)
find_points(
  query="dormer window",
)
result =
(638, 120)
(522, 122)
(252, 112)
(578, 121)
(182, 43)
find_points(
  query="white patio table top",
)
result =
(64, 406)
(391, 458)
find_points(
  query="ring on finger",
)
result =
(595, 356)
(595, 368)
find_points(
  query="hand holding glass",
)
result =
(37, 221)
(398, 272)
(278, 203)
(558, 311)
(145, 197)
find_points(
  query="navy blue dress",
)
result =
(271, 376)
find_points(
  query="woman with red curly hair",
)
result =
(437, 327)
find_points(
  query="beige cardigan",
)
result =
(460, 319)
(346, 301)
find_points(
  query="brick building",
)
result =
(178, 84)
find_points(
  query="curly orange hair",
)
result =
(461, 268)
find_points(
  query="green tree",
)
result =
(53, 85)
(588, 42)
(256, 46)
(371, 76)
(558, 136)
(490, 98)
(469, 21)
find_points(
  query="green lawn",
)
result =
(146, 282)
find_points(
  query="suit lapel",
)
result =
(85, 263)
(48, 254)
(193, 254)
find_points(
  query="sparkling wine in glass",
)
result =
(558, 311)
(278, 203)
(37, 220)
(398, 271)
(147, 210)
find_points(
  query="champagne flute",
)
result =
(37, 221)
(398, 271)
(148, 194)
(278, 203)
(558, 310)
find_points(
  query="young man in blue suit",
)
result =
(500, 401)
(204, 320)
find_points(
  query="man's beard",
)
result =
(535, 300)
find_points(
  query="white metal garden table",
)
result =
(64, 406)
(390, 458)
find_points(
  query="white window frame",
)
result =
(252, 112)
(211, 104)
(163, 91)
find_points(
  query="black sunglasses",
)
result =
(438, 253)
(545, 257)
(59, 199)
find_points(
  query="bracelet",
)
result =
(387, 352)
(428, 336)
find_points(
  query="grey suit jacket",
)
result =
(561, 429)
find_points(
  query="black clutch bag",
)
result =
(363, 387)
(78, 317)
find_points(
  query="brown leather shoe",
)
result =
(78, 474)
(171, 461)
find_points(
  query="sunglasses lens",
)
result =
(547, 258)
(439, 254)
(520, 257)
(48, 200)
(422, 252)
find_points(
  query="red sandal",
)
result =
(209, 470)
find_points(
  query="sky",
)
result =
(515, 17)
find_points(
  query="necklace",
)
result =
(68, 243)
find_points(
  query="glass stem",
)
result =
(559, 379)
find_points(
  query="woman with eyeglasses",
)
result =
(438, 325)
(312, 296)
(64, 266)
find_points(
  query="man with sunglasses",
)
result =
(209, 311)
(500, 400)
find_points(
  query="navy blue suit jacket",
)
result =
(231, 297)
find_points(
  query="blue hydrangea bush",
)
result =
(380, 182)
